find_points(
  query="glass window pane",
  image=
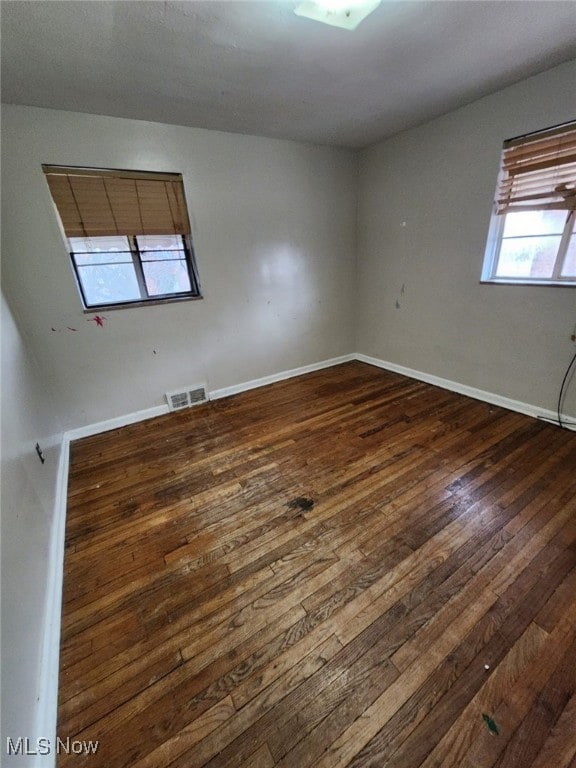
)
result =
(109, 284)
(98, 244)
(166, 277)
(534, 223)
(162, 255)
(569, 267)
(86, 259)
(532, 257)
(159, 242)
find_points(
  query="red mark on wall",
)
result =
(98, 319)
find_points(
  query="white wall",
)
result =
(440, 179)
(274, 233)
(27, 508)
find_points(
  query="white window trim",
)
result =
(492, 251)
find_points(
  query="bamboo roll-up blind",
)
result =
(96, 203)
(539, 172)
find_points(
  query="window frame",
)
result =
(145, 298)
(516, 165)
(494, 244)
(130, 204)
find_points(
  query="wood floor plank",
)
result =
(520, 699)
(344, 749)
(486, 643)
(258, 707)
(559, 749)
(462, 739)
(535, 728)
(316, 573)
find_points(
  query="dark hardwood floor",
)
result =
(350, 568)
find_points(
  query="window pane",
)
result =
(159, 242)
(162, 255)
(109, 284)
(86, 259)
(569, 268)
(166, 277)
(528, 257)
(534, 223)
(98, 244)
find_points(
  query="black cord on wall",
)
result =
(563, 388)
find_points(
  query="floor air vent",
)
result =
(184, 398)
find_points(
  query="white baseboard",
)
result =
(216, 394)
(464, 389)
(246, 385)
(115, 423)
(46, 715)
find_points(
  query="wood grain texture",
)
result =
(213, 618)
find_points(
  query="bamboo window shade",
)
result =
(539, 172)
(97, 203)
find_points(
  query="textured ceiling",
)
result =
(257, 68)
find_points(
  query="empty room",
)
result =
(288, 384)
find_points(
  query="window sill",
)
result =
(138, 304)
(540, 283)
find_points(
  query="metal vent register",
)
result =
(187, 397)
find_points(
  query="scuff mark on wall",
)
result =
(402, 292)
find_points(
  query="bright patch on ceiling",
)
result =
(346, 14)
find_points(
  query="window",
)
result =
(128, 235)
(533, 231)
